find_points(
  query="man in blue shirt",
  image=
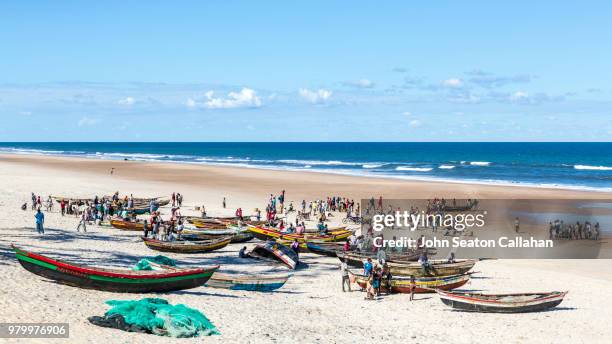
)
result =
(40, 220)
(367, 267)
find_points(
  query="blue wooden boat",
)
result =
(325, 249)
(247, 282)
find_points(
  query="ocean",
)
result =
(585, 166)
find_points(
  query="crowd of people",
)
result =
(574, 231)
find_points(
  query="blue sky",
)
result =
(309, 71)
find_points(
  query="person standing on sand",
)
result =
(112, 170)
(516, 225)
(412, 287)
(63, 207)
(33, 201)
(224, 204)
(40, 221)
(345, 275)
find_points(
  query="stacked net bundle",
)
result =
(154, 263)
(156, 316)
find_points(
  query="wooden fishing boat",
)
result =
(59, 199)
(323, 248)
(401, 284)
(237, 237)
(187, 246)
(437, 268)
(115, 280)
(209, 231)
(502, 303)
(129, 225)
(270, 233)
(247, 282)
(356, 259)
(139, 210)
(275, 252)
(209, 225)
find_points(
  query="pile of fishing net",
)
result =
(156, 316)
(154, 263)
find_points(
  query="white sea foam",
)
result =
(319, 162)
(446, 167)
(595, 168)
(414, 169)
(371, 165)
(480, 163)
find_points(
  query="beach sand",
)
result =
(311, 307)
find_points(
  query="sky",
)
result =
(306, 71)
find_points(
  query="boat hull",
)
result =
(89, 278)
(267, 233)
(467, 303)
(422, 284)
(276, 253)
(186, 247)
(247, 283)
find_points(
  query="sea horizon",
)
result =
(564, 165)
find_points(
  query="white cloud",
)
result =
(245, 98)
(126, 101)
(519, 96)
(415, 123)
(86, 122)
(407, 113)
(361, 83)
(315, 97)
(453, 82)
(26, 113)
(191, 103)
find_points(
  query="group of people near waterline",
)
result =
(89, 211)
(558, 229)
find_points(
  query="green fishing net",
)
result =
(149, 263)
(159, 317)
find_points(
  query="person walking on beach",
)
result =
(224, 204)
(40, 221)
(63, 206)
(83, 222)
(345, 276)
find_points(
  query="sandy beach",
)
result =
(311, 307)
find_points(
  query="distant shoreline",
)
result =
(355, 184)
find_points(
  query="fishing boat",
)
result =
(129, 225)
(437, 268)
(356, 259)
(139, 210)
(272, 233)
(115, 280)
(208, 231)
(402, 284)
(247, 282)
(502, 303)
(323, 248)
(236, 237)
(238, 234)
(275, 252)
(182, 246)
